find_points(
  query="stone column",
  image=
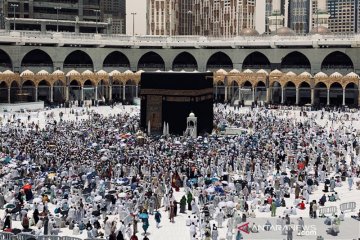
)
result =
(136, 90)
(96, 94)
(124, 92)
(267, 95)
(110, 92)
(343, 103)
(9, 94)
(239, 93)
(328, 97)
(226, 93)
(253, 94)
(312, 96)
(36, 94)
(51, 93)
(297, 96)
(67, 90)
(82, 94)
(282, 95)
(216, 92)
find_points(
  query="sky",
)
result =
(139, 7)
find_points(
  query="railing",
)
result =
(168, 41)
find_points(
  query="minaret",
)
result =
(276, 20)
(321, 16)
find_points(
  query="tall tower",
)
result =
(276, 20)
(321, 16)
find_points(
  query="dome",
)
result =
(284, 31)
(26, 73)
(139, 72)
(8, 72)
(262, 71)
(320, 30)
(276, 72)
(290, 74)
(101, 72)
(72, 72)
(234, 71)
(336, 75)
(248, 71)
(191, 114)
(170, 71)
(158, 70)
(115, 72)
(128, 72)
(58, 72)
(352, 75)
(320, 74)
(249, 32)
(183, 71)
(87, 72)
(305, 74)
(221, 71)
(43, 72)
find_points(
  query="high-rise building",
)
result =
(161, 16)
(66, 15)
(342, 15)
(298, 19)
(200, 17)
(185, 17)
(116, 11)
(223, 17)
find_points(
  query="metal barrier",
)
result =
(7, 236)
(328, 210)
(348, 206)
(28, 236)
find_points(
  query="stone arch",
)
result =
(320, 92)
(276, 92)
(37, 60)
(336, 94)
(352, 94)
(184, 61)
(78, 60)
(256, 60)
(44, 88)
(337, 61)
(116, 59)
(151, 61)
(3, 92)
(304, 93)
(75, 90)
(5, 60)
(28, 92)
(14, 90)
(260, 90)
(59, 90)
(219, 60)
(290, 93)
(296, 62)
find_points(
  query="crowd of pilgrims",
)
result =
(103, 177)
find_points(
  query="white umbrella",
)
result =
(210, 189)
(103, 158)
(97, 198)
(224, 182)
(94, 144)
(37, 200)
(230, 204)
(122, 195)
(222, 204)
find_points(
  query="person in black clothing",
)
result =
(7, 222)
(36, 216)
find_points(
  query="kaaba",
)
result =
(171, 97)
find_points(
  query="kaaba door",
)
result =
(154, 113)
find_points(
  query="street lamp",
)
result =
(189, 25)
(96, 12)
(14, 6)
(57, 18)
(133, 15)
